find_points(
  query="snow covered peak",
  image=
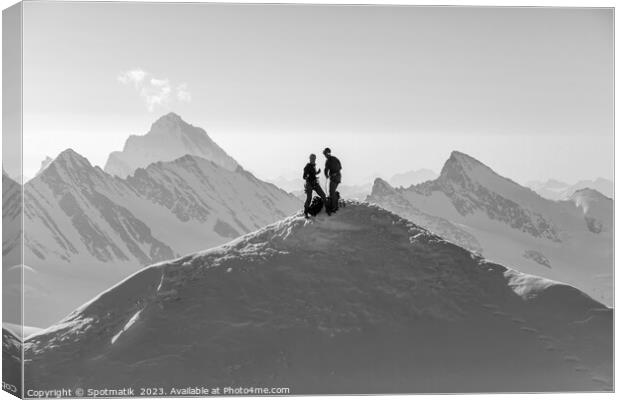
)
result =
(171, 116)
(589, 194)
(461, 166)
(169, 138)
(557, 190)
(381, 188)
(70, 159)
(465, 174)
(340, 285)
(463, 157)
(170, 123)
(597, 209)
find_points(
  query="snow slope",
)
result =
(87, 227)
(168, 139)
(363, 301)
(475, 207)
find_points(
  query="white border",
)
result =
(485, 3)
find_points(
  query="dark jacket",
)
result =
(332, 166)
(310, 173)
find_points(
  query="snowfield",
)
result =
(362, 301)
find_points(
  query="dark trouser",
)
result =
(310, 186)
(334, 181)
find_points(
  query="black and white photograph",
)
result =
(206, 199)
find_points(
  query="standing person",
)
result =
(332, 171)
(312, 183)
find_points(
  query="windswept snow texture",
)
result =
(88, 229)
(360, 302)
(471, 205)
(168, 139)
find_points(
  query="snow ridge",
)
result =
(364, 279)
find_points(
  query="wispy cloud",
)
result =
(183, 94)
(154, 91)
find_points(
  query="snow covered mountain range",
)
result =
(360, 302)
(556, 190)
(89, 229)
(413, 177)
(471, 205)
(353, 191)
(168, 139)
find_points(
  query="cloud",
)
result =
(183, 94)
(154, 91)
(134, 76)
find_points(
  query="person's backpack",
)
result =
(315, 206)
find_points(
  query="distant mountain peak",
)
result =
(556, 182)
(381, 188)
(71, 157)
(164, 123)
(597, 209)
(589, 193)
(169, 138)
(459, 155)
(557, 190)
(70, 163)
(462, 159)
(172, 116)
(459, 167)
(44, 164)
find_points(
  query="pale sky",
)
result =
(528, 91)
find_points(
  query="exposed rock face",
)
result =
(538, 257)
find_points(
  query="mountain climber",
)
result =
(332, 171)
(312, 183)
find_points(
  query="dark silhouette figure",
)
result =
(332, 171)
(312, 183)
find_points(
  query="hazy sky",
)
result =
(528, 91)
